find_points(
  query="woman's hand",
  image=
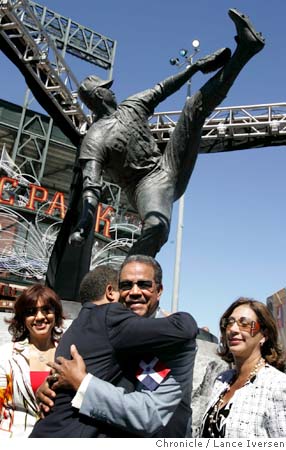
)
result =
(44, 396)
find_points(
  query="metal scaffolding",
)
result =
(36, 40)
(231, 128)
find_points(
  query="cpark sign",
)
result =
(39, 195)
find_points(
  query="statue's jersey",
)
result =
(122, 143)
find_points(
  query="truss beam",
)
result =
(74, 38)
(30, 35)
(231, 128)
(45, 70)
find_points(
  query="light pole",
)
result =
(188, 60)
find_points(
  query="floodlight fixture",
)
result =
(183, 52)
(196, 44)
(174, 61)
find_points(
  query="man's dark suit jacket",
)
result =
(102, 336)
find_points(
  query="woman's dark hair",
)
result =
(28, 299)
(271, 350)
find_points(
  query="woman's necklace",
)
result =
(42, 355)
(214, 416)
(260, 363)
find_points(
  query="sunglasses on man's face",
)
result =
(243, 323)
(127, 285)
(45, 310)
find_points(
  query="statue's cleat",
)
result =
(214, 61)
(246, 33)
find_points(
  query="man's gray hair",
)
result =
(149, 260)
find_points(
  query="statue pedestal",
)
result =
(5, 336)
(71, 310)
(207, 367)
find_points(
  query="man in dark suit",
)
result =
(111, 340)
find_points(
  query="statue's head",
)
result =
(88, 87)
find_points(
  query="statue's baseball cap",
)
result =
(90, 84)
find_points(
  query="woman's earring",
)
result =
(58, 330)
(221, 346)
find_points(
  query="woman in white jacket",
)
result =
(35, 328)
(249, 400)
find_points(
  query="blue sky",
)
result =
(234, 234)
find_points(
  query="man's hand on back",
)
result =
(68, 374)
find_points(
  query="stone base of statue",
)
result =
(207, 367)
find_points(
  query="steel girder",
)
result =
(231, 128)
(30, 36)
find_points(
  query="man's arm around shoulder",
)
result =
(129, 332)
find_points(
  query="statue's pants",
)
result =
(155, 193)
